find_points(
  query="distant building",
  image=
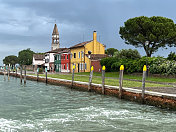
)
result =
(86, 54)
(62, 61)
(49, 59)
(38, 61)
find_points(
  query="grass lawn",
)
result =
(136, 77)
(108, 81)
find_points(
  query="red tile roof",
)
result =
(56, 50)
(39, 56)
(80, 44)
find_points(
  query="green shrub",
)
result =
(107, 62)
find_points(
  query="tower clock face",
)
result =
(54, 36)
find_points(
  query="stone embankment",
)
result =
(157, 99)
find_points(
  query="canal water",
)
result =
(37, 107)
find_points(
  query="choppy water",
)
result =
(38, 107)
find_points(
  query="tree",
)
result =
(11, 59)
(25, 57)
(127, 54)
(110, 51)
(172, 56)
(157, 31)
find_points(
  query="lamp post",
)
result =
(147, 44)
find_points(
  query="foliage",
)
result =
(25, 57)
(110, 51)
(108, 62)
(12, 60)
(158, 31)
(127, 54)
(172, 56)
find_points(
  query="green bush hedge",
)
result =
(157, 65)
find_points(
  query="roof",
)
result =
(39, 56)
(80, 44)
(97, 56)
(56, 50)
(63, 51)
(55, 30)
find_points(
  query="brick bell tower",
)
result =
(55, 38)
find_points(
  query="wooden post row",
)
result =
(143, 82)
(73, 75)
(103, 79)
(121, 81)
(90, 78)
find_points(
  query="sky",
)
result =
(29, 23)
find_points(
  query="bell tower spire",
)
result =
(55, 38)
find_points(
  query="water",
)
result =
(38, 107)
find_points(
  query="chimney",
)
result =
(94, 42)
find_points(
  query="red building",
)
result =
(65, 60)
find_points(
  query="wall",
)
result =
(100, 49)
(96, 65)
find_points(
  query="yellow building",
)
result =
(83, 55)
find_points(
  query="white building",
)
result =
(38, 61)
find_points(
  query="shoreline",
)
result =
(161, 100)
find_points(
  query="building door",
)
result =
(78, 67)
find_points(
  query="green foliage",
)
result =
(127, 54)
(12, 60)
(25, 57)
(110, 51)
(158, 31)
(172, 56)
(107, 62)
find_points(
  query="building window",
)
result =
(81, 66)
(85, 66)
(59, 57)
(67, 66)
(67, 57)
(82, 54)
(64, 66)
(64, 57)
(74, 55)
(55, 57)
(79, 55)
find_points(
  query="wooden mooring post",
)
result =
(16, 71)
(103, 79)
(73, 75)
(4, 72)
(8, 72)
(143, 82)
(90, 78)
(21, 76)
(121, 81)
(37, 74)
(24, 74)
(46, 75)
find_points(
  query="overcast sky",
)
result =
(29, 23)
